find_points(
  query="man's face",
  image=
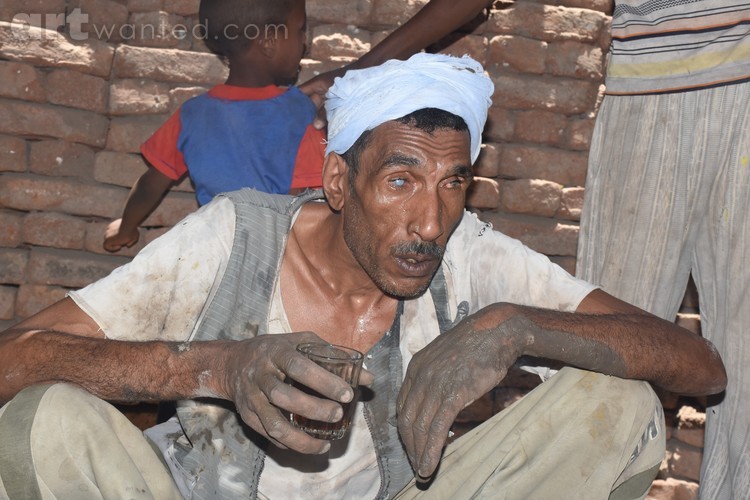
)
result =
(405, 202)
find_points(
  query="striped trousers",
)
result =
(667, 196)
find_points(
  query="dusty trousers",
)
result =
(667, 196)
(578, 435)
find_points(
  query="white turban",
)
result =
(365, 98)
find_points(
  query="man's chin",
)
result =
(406, 291)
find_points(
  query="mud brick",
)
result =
(13, 154)
(483, 194)
(356, 12)
(21, 81)
(24, 192)
(548, 236)
(13, 266)
(55, 230)
(530, 196)
(120, 169)
(11, 224)
(42, 47)
(561, 95)
(338, 40)
(548, 23)
(540, 127)
(571, 204)
(40, 120)
(182, 7)
(12, 8)
(575, 60)
(7, 302)
(61, 158)
(169, 65)
(531, 162)
(578, 133)
(160, 29)
(139, 97)
(524, 55)
(458, 44)
(144, 5)
(77, 90)
(69, 268)
(487, 165)
(126, 134)
(500, 124)
(396, 12)
(106, 19)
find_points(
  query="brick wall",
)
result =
(77, 99)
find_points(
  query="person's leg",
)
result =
(578, 435)
(58, 441)
(722, 258)
(640, 200)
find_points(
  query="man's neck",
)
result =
(324, 288)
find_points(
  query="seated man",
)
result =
(383, 260)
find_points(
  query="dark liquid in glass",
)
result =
(324, 430)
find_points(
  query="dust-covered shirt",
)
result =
(163, 292)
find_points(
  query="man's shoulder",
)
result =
(249, 201)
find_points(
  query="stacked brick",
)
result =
(79, 94)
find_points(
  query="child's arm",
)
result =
(145, 195)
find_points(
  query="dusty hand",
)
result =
(450, 373)
(254, 379)
(115, 239)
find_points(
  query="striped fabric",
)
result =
(667, 196)
(674, 45)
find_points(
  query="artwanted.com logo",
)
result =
(76, 26)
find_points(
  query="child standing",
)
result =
(247, 132)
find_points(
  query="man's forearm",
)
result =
(635, 346)
(112, 370)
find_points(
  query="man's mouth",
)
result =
(417, 265)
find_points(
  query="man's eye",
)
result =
(397, 182)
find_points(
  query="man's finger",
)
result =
(309, 374)
(408, 407)
(275, 425)
(437, 436)
(288, 397)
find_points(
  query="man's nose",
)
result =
(427, 217)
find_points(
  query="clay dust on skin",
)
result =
(203, 390)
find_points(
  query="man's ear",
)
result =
(335, 180)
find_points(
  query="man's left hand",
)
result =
(450, 373)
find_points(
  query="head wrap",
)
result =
(365, 98)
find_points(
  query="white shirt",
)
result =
(163, 292)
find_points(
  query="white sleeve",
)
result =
(161, 293)
(502, 269)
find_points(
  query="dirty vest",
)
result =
(239, 310)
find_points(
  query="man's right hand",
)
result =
(254, 378)
(115, 237)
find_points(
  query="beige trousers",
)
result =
(579, 435)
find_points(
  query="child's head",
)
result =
(275, 28)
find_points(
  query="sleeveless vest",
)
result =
(226, 456)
